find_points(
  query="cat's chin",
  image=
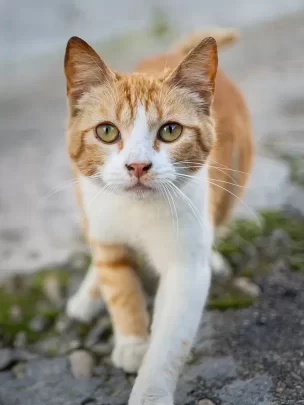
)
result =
(140, 191)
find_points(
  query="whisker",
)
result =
(199, 180)
(191, 205)
(242, 201)
(174, 207)
(214, 167)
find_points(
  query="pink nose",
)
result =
(139, 169)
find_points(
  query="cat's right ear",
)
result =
(83, 68)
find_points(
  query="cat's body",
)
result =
(152, 180)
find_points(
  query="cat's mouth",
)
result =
(139, 189)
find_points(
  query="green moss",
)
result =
(83, 329)
(61, 275)
(29, 301)
(297, 262)
(247, 229)
(27, 304)
(247, 272)
(230, 300)
(227, 247)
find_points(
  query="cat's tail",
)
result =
(223, 36)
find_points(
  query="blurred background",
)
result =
(38, 229)
(250, 350)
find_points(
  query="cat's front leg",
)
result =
(180, 300)
(86, 303)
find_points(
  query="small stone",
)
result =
(52, 290)
(15, 313)
(19, 370)
(39, 323)
(82, 364)
(205, 402)
(64, 323)
(102, 349)
(48, 347)
(246, 286)
(20, 340)
(6, 358)
(302, 364)
(100, 330)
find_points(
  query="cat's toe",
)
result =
(128, 352)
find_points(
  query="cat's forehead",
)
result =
(135, 90)
(119, 102)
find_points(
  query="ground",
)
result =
(250, 348)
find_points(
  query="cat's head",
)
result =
(137, 133)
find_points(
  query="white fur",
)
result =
(82, 306)
(181, 258)
(128, 352)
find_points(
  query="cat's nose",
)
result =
(139, 169)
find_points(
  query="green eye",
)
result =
(170, 132)
(107, 133)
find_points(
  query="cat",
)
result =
(161, 156)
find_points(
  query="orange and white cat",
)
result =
(161, 155)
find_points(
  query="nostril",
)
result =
(130, 167)
(138, 169)
(147, 167)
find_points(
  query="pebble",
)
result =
(19, 370)
(39, 323)
(15, 313)
(102, 349)
(100, 330)
(205, 402)
(82, 364)
(246, 286)
(52, 290)
(20, 340)
(64, 323)
(6, 358)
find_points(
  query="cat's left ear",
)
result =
(83, 68)
(197, 72)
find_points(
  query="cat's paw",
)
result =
(149, 399)
(219, 265)
(83, 307)
(128, 352)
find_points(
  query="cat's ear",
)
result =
(83, 68)
(197, 72)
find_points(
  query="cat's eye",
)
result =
(107, 133)
(170, 132)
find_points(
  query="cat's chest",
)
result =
(123, 220)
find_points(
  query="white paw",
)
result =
(149, 398)
(128, 352)
(219, 265)
(83, 307)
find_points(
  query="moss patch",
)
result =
(247, 234)
(231, 300)
(30, 300)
